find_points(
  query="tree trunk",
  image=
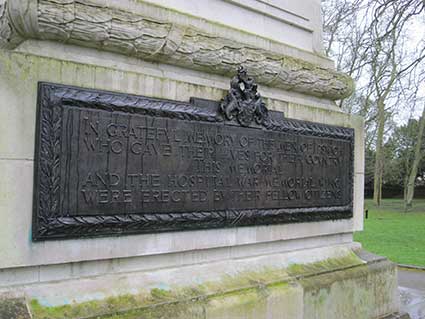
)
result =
(405, 182)
(414, 170)
(379, 157)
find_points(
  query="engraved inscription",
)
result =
(135, 164)
(110, 164)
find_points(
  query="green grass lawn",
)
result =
(392, 233)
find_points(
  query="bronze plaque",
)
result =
(111, 164)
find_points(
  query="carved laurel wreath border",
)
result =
(49, 223)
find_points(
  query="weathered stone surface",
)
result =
(14, 309)
(95, 24)
(360, 292)
(20, 74)
(297, 23)
(342, 287)
(397, 316)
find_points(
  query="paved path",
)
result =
(412, 291)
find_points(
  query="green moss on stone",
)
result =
(13, 308)
(348, 261)
(244, 291)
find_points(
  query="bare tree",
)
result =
(410, 189)
(346, 38)
(388, 64)
(416, 81)
(367, 39)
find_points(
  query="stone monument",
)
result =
(179, 159)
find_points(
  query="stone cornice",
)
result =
(94, 23)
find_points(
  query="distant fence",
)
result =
(394, 192)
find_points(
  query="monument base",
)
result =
(344, 282)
